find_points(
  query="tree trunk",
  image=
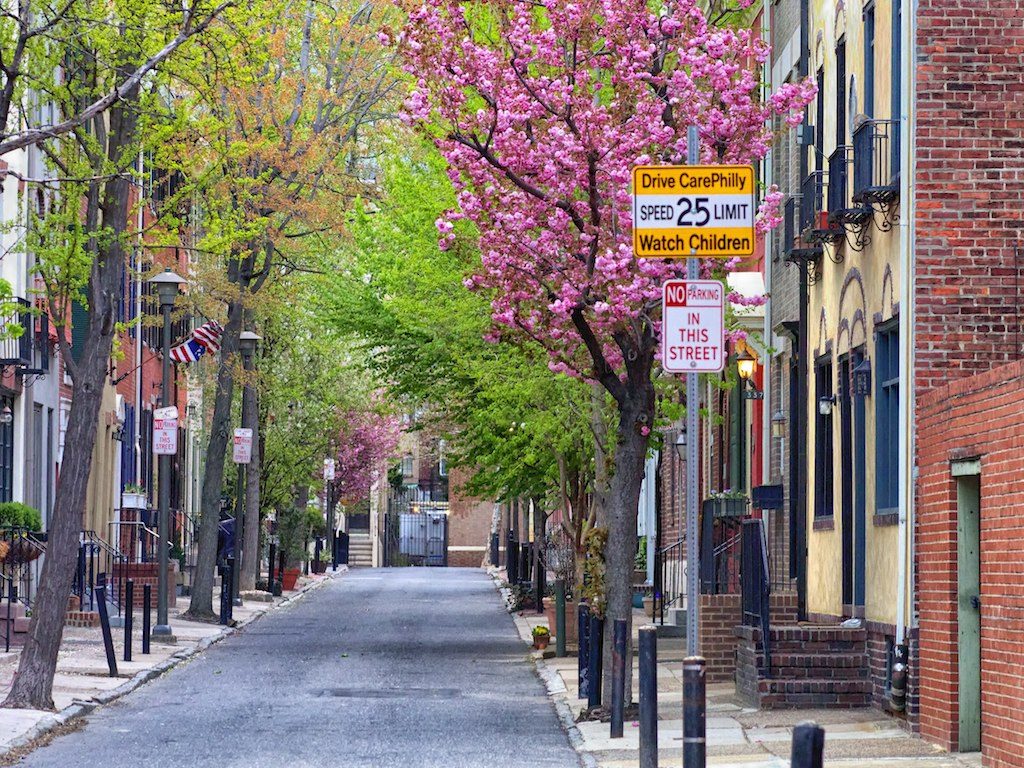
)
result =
(622, 504)
(33, 682)
(251, 532)
(201, 606)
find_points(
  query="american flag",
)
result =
(205, 338)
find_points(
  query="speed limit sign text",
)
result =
(704, 211)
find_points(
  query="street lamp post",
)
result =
(247, 345)
(167, 286)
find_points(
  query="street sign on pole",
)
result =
(241, 452)
(693, 326)
(328, 469)
(165, 431)
(693, 211)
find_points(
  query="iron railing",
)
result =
(669, 577)
(873, 177)
(416, 538)
(720, 545)
(134, 540)
(21, 563)
(756, 584)
(98, 563)
(838, 176)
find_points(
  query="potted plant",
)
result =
(541, 638)
(21, 540)
(293, 532)
(727, 503)
(319, 565)
(134, 497)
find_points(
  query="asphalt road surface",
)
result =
(403, 668)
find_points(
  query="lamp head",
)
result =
(681, 443)
(167, 285)
(746, 364)
(247, 341)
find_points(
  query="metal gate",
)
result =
(416, 538)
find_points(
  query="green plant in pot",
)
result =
(541, 637)
(19, 543)
(293, 532)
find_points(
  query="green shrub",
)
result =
(14, 513)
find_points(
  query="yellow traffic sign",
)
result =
(704, 211)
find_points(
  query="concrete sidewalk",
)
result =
(737, 736)
(83, 680)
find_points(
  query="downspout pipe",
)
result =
(906, 405)
(766, 408)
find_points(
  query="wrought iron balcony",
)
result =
(815, 224)
(795, 248)
(841, 211)
(876, 162)
(27, 350)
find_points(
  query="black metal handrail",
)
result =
(838, 201)
(719, 546)
(755, 578)
(23, 550)
(666, 594)
(873, 177)
(790, 226)
(98, 561)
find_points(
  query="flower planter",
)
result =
(319, 566)
(134, 501)
(725, 507)
(540, 643)
(571, 620)
(288, 579)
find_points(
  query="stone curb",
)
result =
(547, 675)
(79, 709)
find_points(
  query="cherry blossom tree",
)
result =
(366, 442)
(541, 109)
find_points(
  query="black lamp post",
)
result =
(168, 284)
(247, 341)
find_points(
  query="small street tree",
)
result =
(542, 110)
(81, 233)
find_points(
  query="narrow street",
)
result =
(397, 667)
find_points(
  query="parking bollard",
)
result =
(560, 618)
(694, 713)
(108, 639)
(648, 697)
(618, 676)
(147, 606)
(808, 746)
(129, 612)
(583, 652)
(596, 668)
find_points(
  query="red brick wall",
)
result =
(982, 416)
(970, 186)
(469, 525)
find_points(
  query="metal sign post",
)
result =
(692, 453)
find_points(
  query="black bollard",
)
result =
(618, 676)
(560, 618)
(230, 598)
(108, 639)
(270, 568)
(583, 652)
(129, 613)
(494, 550)
(808, 746)
(147, 605)
(694, 713)
(648, 697)
(596, 669)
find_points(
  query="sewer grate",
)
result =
(390, 693)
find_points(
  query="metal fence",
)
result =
(415, 538)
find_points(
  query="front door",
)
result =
(846, 479)
(968, 488)
(860, 486)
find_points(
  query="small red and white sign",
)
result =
(693, 326)
(241, 446)
(165, 431)
(328, 469)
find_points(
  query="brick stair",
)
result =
(811, 666)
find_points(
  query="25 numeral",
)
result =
(691, 206)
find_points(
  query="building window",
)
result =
(7, 453)
(869, 60)
(819, 134)
(408, 469)
(823, 442)
(841, 92)
(442, 460)
(887, 419)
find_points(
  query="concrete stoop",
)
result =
(811, 667)
(360, 550)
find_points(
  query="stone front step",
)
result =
(814, 693)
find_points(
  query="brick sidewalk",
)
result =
(737, 736)
(83, 681)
